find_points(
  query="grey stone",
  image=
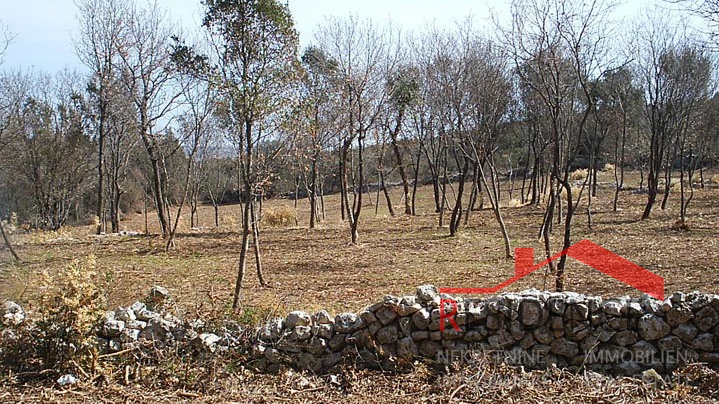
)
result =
(112, 328)
(652, 328)
(527, 342)
(705, 342)
(577, 312)
(405, 325)
(670, 343)
(502, 339)
(405, 310)
(427, 293)
(309, 362)
(420, 335)
(564, 347)
(322, 317)
(272, 330)
(338, 342)
(129, 335)
(145, 314)
(634, 309)
(301, 333)
(421, 319)
(386, 315)
(348, 323)
(516, 329)
(298, 318)
(125, 314)
(12, 313)
(624, 338)
(273, 355)
(706, 318)
(206, 343)
(476, 335)
(531, 312)
(543, 335)
(407, 348)
(679, 314)
(687, 332)
(387, 335)
(495, 321)
(324, 331)
(317, 345)
(368, 317)
(614, 307)
(158, 294)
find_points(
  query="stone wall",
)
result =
(534, 329)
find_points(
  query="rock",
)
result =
(405, 325)
(338, 342)
(614, 307)
(543, 335)
(628, 369)
(516, 329)
(557, 305)
(145, 314)
(348, 323)
(476, 335)
(652, 328)
(158, 295)
(272, 330)
(298, 318)
(66, 380)
(301, 333)
(12, 314)
(564, 347)
(706, 318)
(273, 355)
(624, 338)
(386, 315)
(322, 317)
(421, 319)
(307, 361)
(407, 348)
(387, 335)
(670, 343)
(129, 335)
(531, 312)
(125, 314)
(324, 331)
(634, 309)
(495, 322)
(112, 328)
(577, 312)
(427, 293)
(705, 342)
(502, 339)
(679, 314)
(206, 343)
(368, 316)
(420, 335)
(405, 310)
(687, 332)
(317, 346)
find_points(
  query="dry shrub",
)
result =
(715, 178)
(680, 225)
(579, 175)
(608, 168)
(514, 203)
(63, 339)
(46, 236)
(281, 216)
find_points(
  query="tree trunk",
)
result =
(8, 243)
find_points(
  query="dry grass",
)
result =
(579, 175)
(280, 216)
(608, 168)
(715, 179)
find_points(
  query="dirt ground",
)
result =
(313, 269)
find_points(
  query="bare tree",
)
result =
(147, 74)
(255, 47)
(364, 56)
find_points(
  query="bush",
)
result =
(63, 339)
(579, 175)
(280, 216)
(608, 167)
(715, 178)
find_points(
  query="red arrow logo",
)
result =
(589, 253)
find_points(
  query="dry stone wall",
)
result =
(623, 336)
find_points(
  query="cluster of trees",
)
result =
(238, 113)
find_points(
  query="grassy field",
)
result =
(313, 269)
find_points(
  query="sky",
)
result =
(44, 29)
